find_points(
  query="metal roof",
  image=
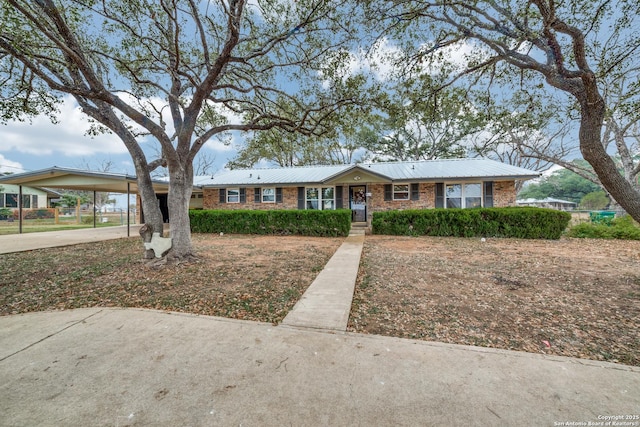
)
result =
(76, 179)
(255, 177)
(426, 170)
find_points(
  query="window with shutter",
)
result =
(268, 195)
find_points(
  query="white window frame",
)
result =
(272, 195)
(407, 192)
(229, 195)
(321, 201)
(463, 196)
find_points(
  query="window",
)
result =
(233, 195)
(268, 195)
(320, 198)
(463, 195)
(473, 196)
(12, 200)
(327, 198)
(34, 202)
(454, 195)
(401, 192)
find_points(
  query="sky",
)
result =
(39, 144)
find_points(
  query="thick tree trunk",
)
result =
(150, 206)
(180, 189)
(595, 153)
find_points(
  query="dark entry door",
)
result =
(358, 203)
(163, 202)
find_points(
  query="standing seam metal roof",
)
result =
(394, 171)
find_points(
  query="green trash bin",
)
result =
(602, 217)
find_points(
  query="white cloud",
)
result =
(7, 165)
(42, 138)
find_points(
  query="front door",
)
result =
(358, 203)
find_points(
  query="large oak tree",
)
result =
(171, 72)
(573, 46)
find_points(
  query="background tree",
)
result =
(596, 200)
(171, 72)
(419, 119)
(571, 46)
(71, 199)
(334, 142)
(561, 184)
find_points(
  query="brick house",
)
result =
(367, 188)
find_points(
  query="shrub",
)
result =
(41, 213)
(525, 223)
(5, 213)
(623, 228)
(329, 223)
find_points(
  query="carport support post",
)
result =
(94, 209)
(128, 209)
(20, 209)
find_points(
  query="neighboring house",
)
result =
(367, 188)
(32, 198)
(549, 202)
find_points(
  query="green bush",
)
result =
(42, 213)
(328, 223)
(623, 228)
(5, 213)
(524, 223)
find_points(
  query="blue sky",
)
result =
(39, 144)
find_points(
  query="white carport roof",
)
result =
(76, 179)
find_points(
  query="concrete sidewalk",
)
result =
(129, 367)
(50, 239)
(327, 302)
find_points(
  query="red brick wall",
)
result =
(504, 194)
(211, 200)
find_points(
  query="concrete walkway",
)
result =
(50, 239)
(129, 367)
(327, 302)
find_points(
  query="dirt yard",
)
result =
(242, 277)
(571, 297)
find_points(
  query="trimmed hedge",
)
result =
(523, 223)
(329, 223)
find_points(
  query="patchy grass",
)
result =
(572, 297)
(242, 277)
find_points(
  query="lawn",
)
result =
(572, 297)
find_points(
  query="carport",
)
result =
(75, 179)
